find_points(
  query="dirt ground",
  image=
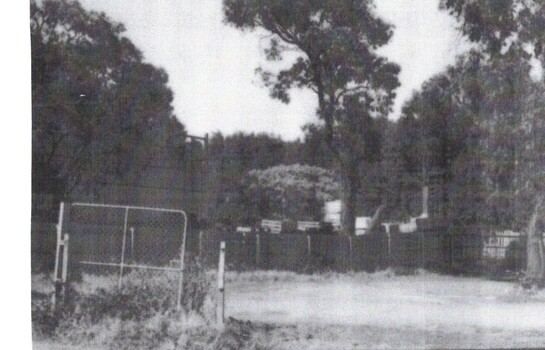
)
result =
(284, 310)
(386, 311)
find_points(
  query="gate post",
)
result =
(64, 272)
(57, 254)
(123, 248)
(182, 264)
(220, 312)
(61, 262)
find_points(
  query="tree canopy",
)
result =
(98, 110)
(336, 41)
(510, 33)
(336, 44)
(501, 25)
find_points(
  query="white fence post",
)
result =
(220, 312)
(57, 253)
(123, 249)
(182, 264)
(64, 272)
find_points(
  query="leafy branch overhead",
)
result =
(502, 25)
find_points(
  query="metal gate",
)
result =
(108, 238)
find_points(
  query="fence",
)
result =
(103, 238)
(431, 247)
(148, 243)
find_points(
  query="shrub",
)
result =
(144, 296)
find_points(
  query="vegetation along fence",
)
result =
(103, 238)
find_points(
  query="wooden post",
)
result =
(119, 283)
(309, 247)
(452, 251)
(132, 243)
(220, 312)
(59, 239)
(57, 254)
(257, 251)
(389, 247)
(182, 265)
(200, 243)
(64, 272)
(421, 236)
(350, 252)
(244, 252)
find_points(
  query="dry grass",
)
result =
(142, 316)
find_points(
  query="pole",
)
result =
(421, 236)
(308, 247)
(220, 312)
(59, 238)
(452, 251)
(132, 243)
(350, 252)
(309, 256)
(200, 243)
(182, 266)
(389, 247)
(123, 249)
(257, 251)
(64, 265)
(57, 254)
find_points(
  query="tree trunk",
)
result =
(375, 220)
(348, 211)
(350, 186)
(535, 265)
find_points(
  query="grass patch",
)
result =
(142, 313)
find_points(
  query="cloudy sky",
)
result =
(211, 65)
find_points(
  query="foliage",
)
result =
(501, 26)
(510, 34)
(292, 191)
(98, 111)
(440, 138)
(141, 316)
(335, 43)
(144, 296)
(229, 161)
(510, 102)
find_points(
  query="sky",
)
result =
(211, 66)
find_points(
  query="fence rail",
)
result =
(118, 238)
(430, 248)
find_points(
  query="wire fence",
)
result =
(114, 239)
(101, 237)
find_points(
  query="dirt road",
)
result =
(468, 311)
